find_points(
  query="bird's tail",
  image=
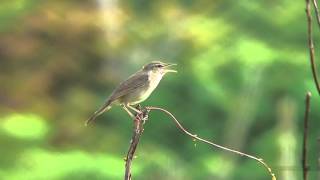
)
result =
(101, 110)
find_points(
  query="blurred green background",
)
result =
(243, 75)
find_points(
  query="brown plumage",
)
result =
(135, 89)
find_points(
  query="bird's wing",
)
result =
(133, 82)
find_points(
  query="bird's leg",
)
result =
(145, 115)
(127, 110)
(142, 112)
(136, 110)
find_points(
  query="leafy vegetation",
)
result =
(243, 74)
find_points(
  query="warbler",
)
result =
(136, 89)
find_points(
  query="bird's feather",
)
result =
(135, 81)
(106, 106)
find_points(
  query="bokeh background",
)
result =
(243, 75)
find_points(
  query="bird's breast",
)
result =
(153, 82)
(142, 93)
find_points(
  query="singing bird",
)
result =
(136, 89)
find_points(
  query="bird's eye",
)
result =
(159, 65)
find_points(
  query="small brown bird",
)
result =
(135, 89)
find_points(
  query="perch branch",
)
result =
(194, 136)
(137, 132)
(304, 161)
(311, 45)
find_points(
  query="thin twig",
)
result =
(311, 46)
(194, 136)
(304, 160)
(318, 164)
(137, 132)
(316, 9)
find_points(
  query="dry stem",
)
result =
(137, 132)
(194, 136)
(311, 44)
(316, 9)
(304, 160)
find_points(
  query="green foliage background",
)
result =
(243, 74)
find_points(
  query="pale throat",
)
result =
(154, 79)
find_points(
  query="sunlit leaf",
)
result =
(25, 126)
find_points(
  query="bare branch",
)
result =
(316, 9)
(137, 132)
(311, 45)
(304, 160)
(194, 136)
(318, 159)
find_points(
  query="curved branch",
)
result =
(211, 143)
(311, 45)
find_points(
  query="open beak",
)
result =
(166, 68)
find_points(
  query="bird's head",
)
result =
(158, 67)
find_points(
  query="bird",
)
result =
(136, 89)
